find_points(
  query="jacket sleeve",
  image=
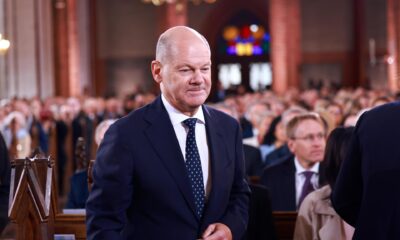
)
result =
(112, 189)
(347, 192)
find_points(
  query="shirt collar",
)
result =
(300, 169)
(177, 117)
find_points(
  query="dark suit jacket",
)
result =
(79, 191)
(141, 188)
(261, 225)
(252, 157)
(277, 156)
(5, 171)
(281, 182)
(367, 191)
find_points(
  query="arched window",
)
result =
(243, 53)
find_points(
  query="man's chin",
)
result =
(197, 100)
(317, 160)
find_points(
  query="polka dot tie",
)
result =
(193, 166)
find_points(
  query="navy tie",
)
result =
(193, 166)
(308, 187)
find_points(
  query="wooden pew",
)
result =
(284, 221)
(72, 223)
(33, 204)
(284, 224)
(30, 198)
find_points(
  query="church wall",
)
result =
(126, 43)
(376, 22)
(327, 26)
(328, 40)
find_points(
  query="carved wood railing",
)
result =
(30, 198)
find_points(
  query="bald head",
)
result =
(171, 39)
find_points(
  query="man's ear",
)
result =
(291, 144)
(156, 71)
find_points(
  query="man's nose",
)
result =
(197, 77)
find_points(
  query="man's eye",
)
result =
(184, 70)
(205, 69)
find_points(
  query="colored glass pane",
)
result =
(246, 40)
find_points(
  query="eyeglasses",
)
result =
(311, 137)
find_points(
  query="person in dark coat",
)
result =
(366, 193)
(173, 169)
(5, 171)
(261, 224)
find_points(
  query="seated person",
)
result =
(252, 158)
(282, 152)
(252, 155)
(5, 171)
(79, 181)
(261, 225)
(317, 219)
(274, 138)
(292, 179)
(16, 135)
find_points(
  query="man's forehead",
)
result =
(309, 126)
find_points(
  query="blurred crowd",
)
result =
(52, 126)
(270, 128)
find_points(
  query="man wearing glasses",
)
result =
(291, 180)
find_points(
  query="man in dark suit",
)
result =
(292, 179)
(173, 169)
(366, 193)
(5, 172)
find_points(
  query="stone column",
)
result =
(3, 80)
(172, 14)
(72, 51)
(28, 63)
(285, 43)
(393, 32)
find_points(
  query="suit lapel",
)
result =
(162, 136)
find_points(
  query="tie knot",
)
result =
(190, 122)
(308, 174)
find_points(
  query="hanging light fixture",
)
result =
(161, 2)
(4, 45)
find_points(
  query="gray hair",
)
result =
(101, 129)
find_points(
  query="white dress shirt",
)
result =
(181, 131)
(300, 178)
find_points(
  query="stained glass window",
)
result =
(247, 40)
